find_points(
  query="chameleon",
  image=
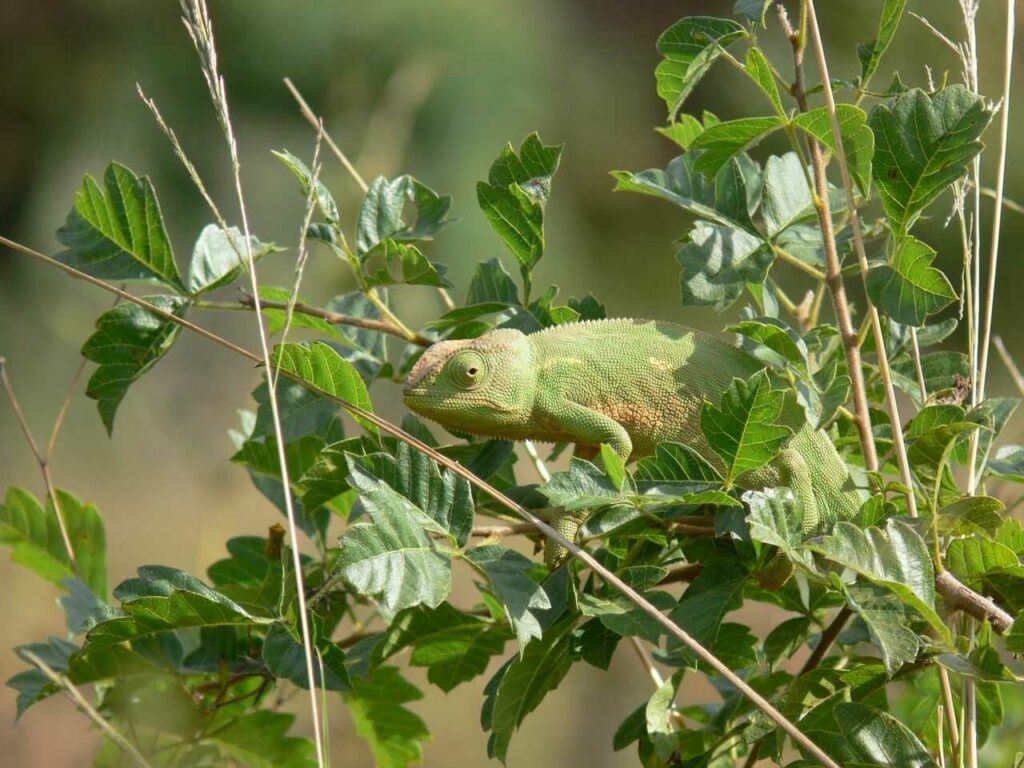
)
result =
(627, 383)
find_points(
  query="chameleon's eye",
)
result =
(467, 369)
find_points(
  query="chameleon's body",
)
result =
(628, 383)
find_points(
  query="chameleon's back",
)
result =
(654, 377)
(651, 377)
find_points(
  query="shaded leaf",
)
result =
(285, 657)
(786, 198)
(524, 600)
(412, 266)
(689, 48)
(888, 620)
(324, 198)
(717, 263)
(454, 646)
(908, 288)
(523, 684)
(258, 739)
(491, 283)
(128, 341)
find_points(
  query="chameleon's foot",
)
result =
(568, 524)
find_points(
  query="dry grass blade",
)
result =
(200, 29)
(83, 704)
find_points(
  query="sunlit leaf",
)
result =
(908, 288)
(689, 48)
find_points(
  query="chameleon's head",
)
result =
(482, 386)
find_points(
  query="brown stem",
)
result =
(828, 636)
(682, 573)
(833, 269)
(337, 318)
(959, 596)
(503, 530)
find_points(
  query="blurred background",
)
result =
(430, 88)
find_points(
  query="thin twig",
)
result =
(538, 462)
(85, 707)
(950, 713)
(44, 465)
(497, 531)
(58, 422)
(915, 349)
(200, 29)
(631, 594)
(828, 636)
(1018, 379)
(334, 318)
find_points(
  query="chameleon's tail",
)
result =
(567, 523)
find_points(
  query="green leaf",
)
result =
(514, 195)
(683, 131)
(870, 54)
(117, 232)
(675, 463)
(781, 340)
(888, 620)
(524, 600)
(128, 341)
(380, 217)
(415, 269)
(661, 718)
(1008, 463)
(777, 519)
(439, 494)
(491, 283)
(163, 599)
(971, 515)
(908, 288)
(742, 429)
(219, 256)
(33, 685)
(716, 591)
(722, 199)
(324, 199)
(858, 138)
(519, 687)
(761, 73)
(258, 739)
(717, 263)
(924, 144)
(859, 735)
(322, 367)
(723, 141)
(624, 618)
(366, 349)
(785, 639)
(393, 557)
(285, 657)
(453, 646)
(754, 10)
(394, 733)
(894, 557)
(303, 413)
(689, 48)
(582, 487)
(972, 559)
(787, 198)
(36, 541)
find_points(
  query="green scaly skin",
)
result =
(628, 383)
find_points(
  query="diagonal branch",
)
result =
(631, 594)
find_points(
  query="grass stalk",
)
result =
(197, 22)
